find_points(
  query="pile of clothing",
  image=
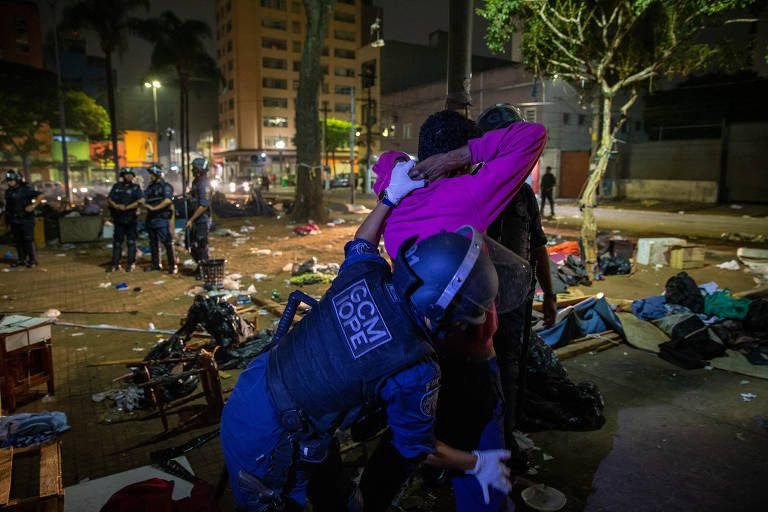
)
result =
(703, 321)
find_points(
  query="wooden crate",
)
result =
(686, 256)
(25, 357)
(50, 496)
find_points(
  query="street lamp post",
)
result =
(155, 85)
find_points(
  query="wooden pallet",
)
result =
(50, 497)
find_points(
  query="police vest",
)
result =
(124, 193)
(200, 189)
(16, 200)
(513, 227)
(155, 194)
(337, 357)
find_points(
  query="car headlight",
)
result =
(232, 187)
(83, 190)
(215, 184)
(246, 186)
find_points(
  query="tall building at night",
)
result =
(20, 37)
(259, 46)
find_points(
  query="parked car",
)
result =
(340, 181)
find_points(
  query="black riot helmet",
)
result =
(10, 174)
(156, 170)
(200, 165)
(126, 170)
(498, 116)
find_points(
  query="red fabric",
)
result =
(565, 248)
(156, 495)
(475, 341)
(306, 229)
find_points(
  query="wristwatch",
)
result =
(385, 199)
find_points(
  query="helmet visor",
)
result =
(512, 279)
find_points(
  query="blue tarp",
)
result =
(590, 316)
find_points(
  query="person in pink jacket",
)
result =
(471, 180)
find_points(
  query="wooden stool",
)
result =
(50, 497)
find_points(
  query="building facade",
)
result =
(259, 44)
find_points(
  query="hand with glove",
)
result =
(400, 184)
(491, 471)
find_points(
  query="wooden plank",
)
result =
(537, 306)
(571, 351)
(50, 470)
(6, 467)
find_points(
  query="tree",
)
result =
(27, 96)
(86, 115)
(179, 51)
(308, 203)
(336, 134)
(611, 48)
(110, 20)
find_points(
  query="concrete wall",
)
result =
(672, 190)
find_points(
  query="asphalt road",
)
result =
(674, 224)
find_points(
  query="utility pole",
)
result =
(352, 179)
(326, 168)
(62, 113)
(459, 55)
(368, 127)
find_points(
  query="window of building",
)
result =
(274, 4)
(229, 46)
(344, 53)
(274, 83)
(324, 52)
(231, 104)
(566, 118)
(325, 87)
(275, 122)
(274, 23)
(346, 17)
(296, 46)
(339, 71)
(296, 27)
(272, 63)
(295, 7)
(529, 115)
(275, 102)
(345, 35)
(22, 35)
(273, 43)
(295, 85)
(342, 89)
(229, 5)
(407, 127)
(231, 85)
(582, 119)
(271, 141)
(231, 122)
(230, 65)
(348, 2)
(229, 27)
(342, 107)
(296, 65)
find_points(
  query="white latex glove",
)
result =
(491, 471)
(400, 184)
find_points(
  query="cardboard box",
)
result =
(652, 251)
(686, 256)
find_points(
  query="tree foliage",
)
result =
(610, 49)
(309, 176)
(85, 114)
(110, 21)
(336, 133)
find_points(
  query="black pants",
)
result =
(127, 231)
(24, 239)
(547, 195)
(198, 238)
(159, 231)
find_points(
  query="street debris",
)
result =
(729, 265)
(309, 228)
(51, 313)
(748, 397)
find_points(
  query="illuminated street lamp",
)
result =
(154, 85)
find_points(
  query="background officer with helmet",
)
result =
(123, 200)
(368, 344)
(158, 200)
(200, 219)
(20, 202)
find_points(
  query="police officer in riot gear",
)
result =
(158, 200)
(200, 219)
(20, 202)
(366, 344)
(123, 200)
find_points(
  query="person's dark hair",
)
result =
(445, 131)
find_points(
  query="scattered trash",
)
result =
(740, 436)
(51, 313)
(230, 284)
(309, 228)
(77, 334)
(275, 295)
(243, 299)
(277, 253)
(48, 398)
(158, 283)
(288, 267)
(547, 456)
(251, 289)
(357, 208)
(729, 265)
(190, 263)
(259, 277)
(744, 382)
(137, 349)
(234, 277)
(121, 286)
(81, 349)
(105, 285)
(151, 326)
(197, 290)
(544, 498)
(748, 397)
(736, 206)
(261, 252)
(61, 254)
(137, 289)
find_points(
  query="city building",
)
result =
(20, 35)
(259, 47)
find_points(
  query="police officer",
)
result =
(518, 228)
(20, 202)
(123, 201)
(366, 344)
(200, 220)
(158, 200)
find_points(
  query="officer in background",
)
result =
(20, 202)
(200, 220)
(158, 200)
(123, 201)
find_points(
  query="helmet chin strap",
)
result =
(462, 273)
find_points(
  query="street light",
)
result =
(154, 85)
(280, 145)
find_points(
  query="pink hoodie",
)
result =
(508, 156)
